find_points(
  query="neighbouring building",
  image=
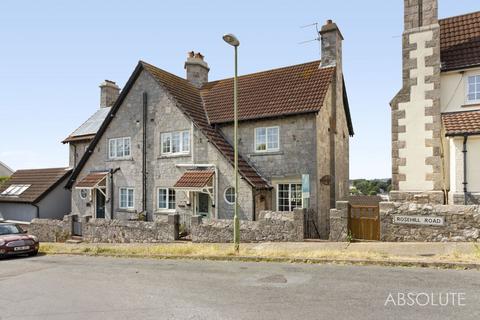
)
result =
(80, 139)
(436, 115)
(166, 143)
(36, 193)
(5, 171)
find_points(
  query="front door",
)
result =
(203, 205)
(99, 204)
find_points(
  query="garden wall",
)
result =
(460, 223)
(270, 226)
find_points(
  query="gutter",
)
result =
(38, 210)
(465, 182)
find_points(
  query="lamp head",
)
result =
(231, 40)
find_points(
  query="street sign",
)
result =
(419, 220)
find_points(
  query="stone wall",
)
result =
(339, 222)
(48, 230)
(271, 226)
(462, 223)
(120, 231)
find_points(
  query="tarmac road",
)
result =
(77, 287)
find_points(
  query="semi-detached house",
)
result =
(165, 145)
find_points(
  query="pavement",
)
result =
(82, 287)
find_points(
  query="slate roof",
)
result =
(461, 123)
(460, 41)
(289, 90)
(41, 182)
(90, 127)
(194, 179)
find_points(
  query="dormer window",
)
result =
(15, 190)
(473, 89)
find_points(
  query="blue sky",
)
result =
(54, 54)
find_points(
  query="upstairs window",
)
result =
(267, 139)
(177, 142)
(473, 90)
(119, 148)
(15, 190)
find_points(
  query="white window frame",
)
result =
(467, 89)
(267, 149)
(225, 195)
(181, 146)
(289, 195)
(116, 156)
(167, 209)
(127, 189)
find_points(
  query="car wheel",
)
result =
(34, 253)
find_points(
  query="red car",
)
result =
(15, 241)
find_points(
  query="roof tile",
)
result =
(461, 123)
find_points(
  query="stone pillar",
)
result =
(197, 69)
(174, 222)
(416, 119)
(109, 92)
(339, 222)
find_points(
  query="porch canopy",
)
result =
(196, 181)
(93, 180)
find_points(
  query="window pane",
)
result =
(471, 96)
(171, 199)
(162, 198)
(175, 142)
(130, 198)
(186, 141)
(261, 139)
(123, 198)
(127, 147)
(283, 202)
(471, 80)
(296, 196)
(272, 138)
(166, 142)
(119, 153)
(230, 195)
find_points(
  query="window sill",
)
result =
(266, 153)
(126, 210)
(471, 105)
(178, 155)
(164, 212)
(119, 159)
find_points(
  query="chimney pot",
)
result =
(329, 21)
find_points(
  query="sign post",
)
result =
(306, 191)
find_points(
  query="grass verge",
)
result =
(252, 252)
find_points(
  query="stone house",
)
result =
(436, 115)
(5, 171)
(166, 144)
(36, 193)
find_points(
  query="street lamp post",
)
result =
(233, 41)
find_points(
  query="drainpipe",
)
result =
(112, 192)
(465, 182)
(144, 162)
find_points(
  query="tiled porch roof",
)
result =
(461, 123)
(195, 179)
(91, 180)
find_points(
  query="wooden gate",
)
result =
(364, 222)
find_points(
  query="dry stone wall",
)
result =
(461, 223)
(271, 226)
